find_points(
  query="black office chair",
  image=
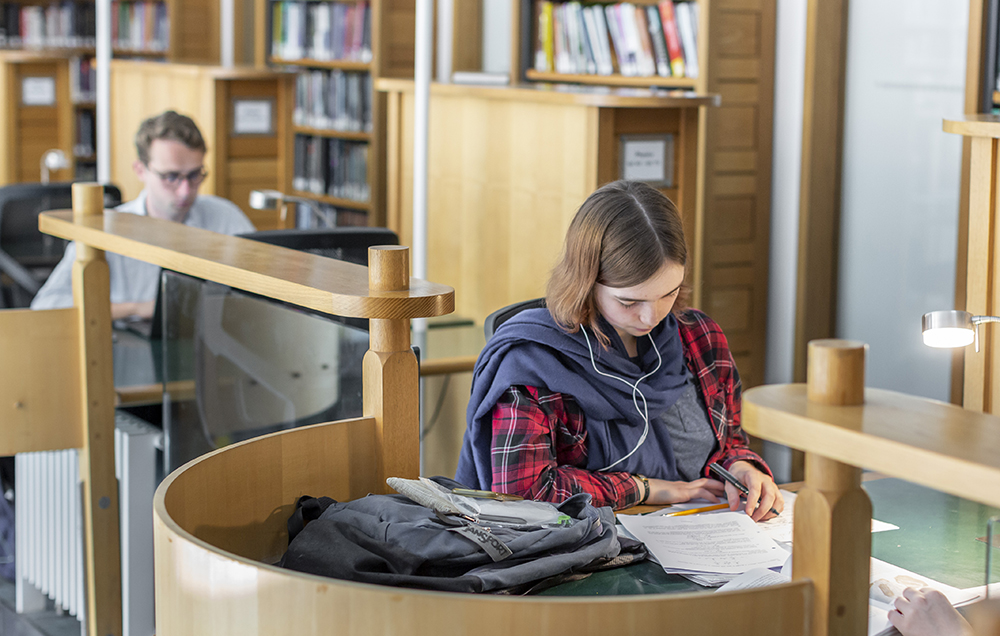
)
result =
(342, 243)
(502, 315)
(27, 256)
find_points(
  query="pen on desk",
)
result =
(731, 478)
(695, 510)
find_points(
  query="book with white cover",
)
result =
(686, 14)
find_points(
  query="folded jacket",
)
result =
(391, 540)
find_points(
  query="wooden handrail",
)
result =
(300, 278)
(934, 444)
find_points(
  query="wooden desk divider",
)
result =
(842, 428)
(57, 387)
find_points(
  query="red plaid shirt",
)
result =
(539, 447)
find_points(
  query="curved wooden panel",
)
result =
(219, 518)
(307, 280)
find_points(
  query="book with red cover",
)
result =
(673, 38)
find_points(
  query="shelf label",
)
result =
(648, 158)
(252, 117)
(38, 91)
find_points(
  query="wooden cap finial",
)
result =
(836, 372)
(88, 199)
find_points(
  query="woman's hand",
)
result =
(763, 495)
(662, 491)
(927, 612)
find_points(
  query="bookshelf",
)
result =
(728, 157)
(56, 40)
(36, 114)
(735, 52)
(338, 49)
(241, 157)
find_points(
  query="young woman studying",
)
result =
(615, 389)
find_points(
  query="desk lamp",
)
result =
(953, 328)
(54, 159)
(273, 200)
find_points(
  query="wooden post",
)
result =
(391, 393)
(92, 298)
(832, 532)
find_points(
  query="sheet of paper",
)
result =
(888, 582)
(727, 543)
(757, 577)
(780, 527)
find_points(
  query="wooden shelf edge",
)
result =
(614, 80)
(343, 65)
(337, 134)
(340, 203)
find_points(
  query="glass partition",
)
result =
(236, 365)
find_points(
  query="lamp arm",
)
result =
(978, 320)
(321, 218)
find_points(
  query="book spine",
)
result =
(659, 45)
(648, 65)
(672, 38)
(687, 29)
(625, 13)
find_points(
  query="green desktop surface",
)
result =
(938, 537)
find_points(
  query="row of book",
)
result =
(140, 26)
(321, 31)
(86, 139)
(633, 40)
(333, 215)
(82, 79)
(333, 100)
(85, 171)
(60, 24)
(334, 167)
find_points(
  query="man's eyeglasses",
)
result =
(173, 179)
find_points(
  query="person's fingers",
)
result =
(715, 486)
(911, 594)
(902, 603)
(753, 497)
(705, 493)
(897, 619)
(767, 502)
(733, 496)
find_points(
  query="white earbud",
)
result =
(644, 411)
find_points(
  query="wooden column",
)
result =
(832, 532)
(391, 393)
(92, 298)
(981, 388)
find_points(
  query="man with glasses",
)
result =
(171, 166)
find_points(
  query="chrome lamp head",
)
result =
(276, 200)
(953, 328)
(54, 159)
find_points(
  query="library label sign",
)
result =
(648, 158)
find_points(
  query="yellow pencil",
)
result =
(696, 510)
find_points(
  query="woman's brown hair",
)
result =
(620, 237)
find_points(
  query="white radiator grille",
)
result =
(49, 527)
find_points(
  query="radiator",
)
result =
(49, 527)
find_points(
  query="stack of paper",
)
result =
(887, 583)
(709, 549)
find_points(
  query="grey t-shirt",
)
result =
(691, 433)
